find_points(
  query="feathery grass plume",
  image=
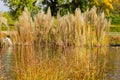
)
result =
(98, 26)
(43, 25)
(81, 29)
(25, 28)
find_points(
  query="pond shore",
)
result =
(114, 38)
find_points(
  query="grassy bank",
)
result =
(115, 28)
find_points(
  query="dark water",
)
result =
(110, 71)
(113, 64)
(6, 62)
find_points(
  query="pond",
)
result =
(67, 64)
(113, 64)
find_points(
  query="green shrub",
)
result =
(115, 28)
(115, 19)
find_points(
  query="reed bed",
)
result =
(61, 47)
(79, 29)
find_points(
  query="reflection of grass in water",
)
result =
(70, 63)
(6, 62)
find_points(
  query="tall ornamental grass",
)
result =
(80, 29)
(24, 33)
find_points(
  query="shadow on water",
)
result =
(76, 63)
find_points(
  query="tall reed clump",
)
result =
(44, 24)
(99, 27)
(24, 30)
(79, 29)
(68, 61)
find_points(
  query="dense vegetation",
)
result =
(115, 17)
(63, 42)
(63, 6)
(58, 48)
(115, 27)
(111, 8)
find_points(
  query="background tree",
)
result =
(10, 19)
(103, 5)
(17, 6)
(70, 5)
(64, 5)
(116, 8)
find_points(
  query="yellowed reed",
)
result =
(71, 63)
(24, 28)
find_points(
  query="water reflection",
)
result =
(113, 64)
(61, 63)
(6, 61)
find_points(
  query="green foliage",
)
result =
(115, 19)
(8, 17)
(70, 5)
(17, 6)
(3, 27)
(115, 29)
(10, 21)
(64, 6)
(115, 16)
(103, 5)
